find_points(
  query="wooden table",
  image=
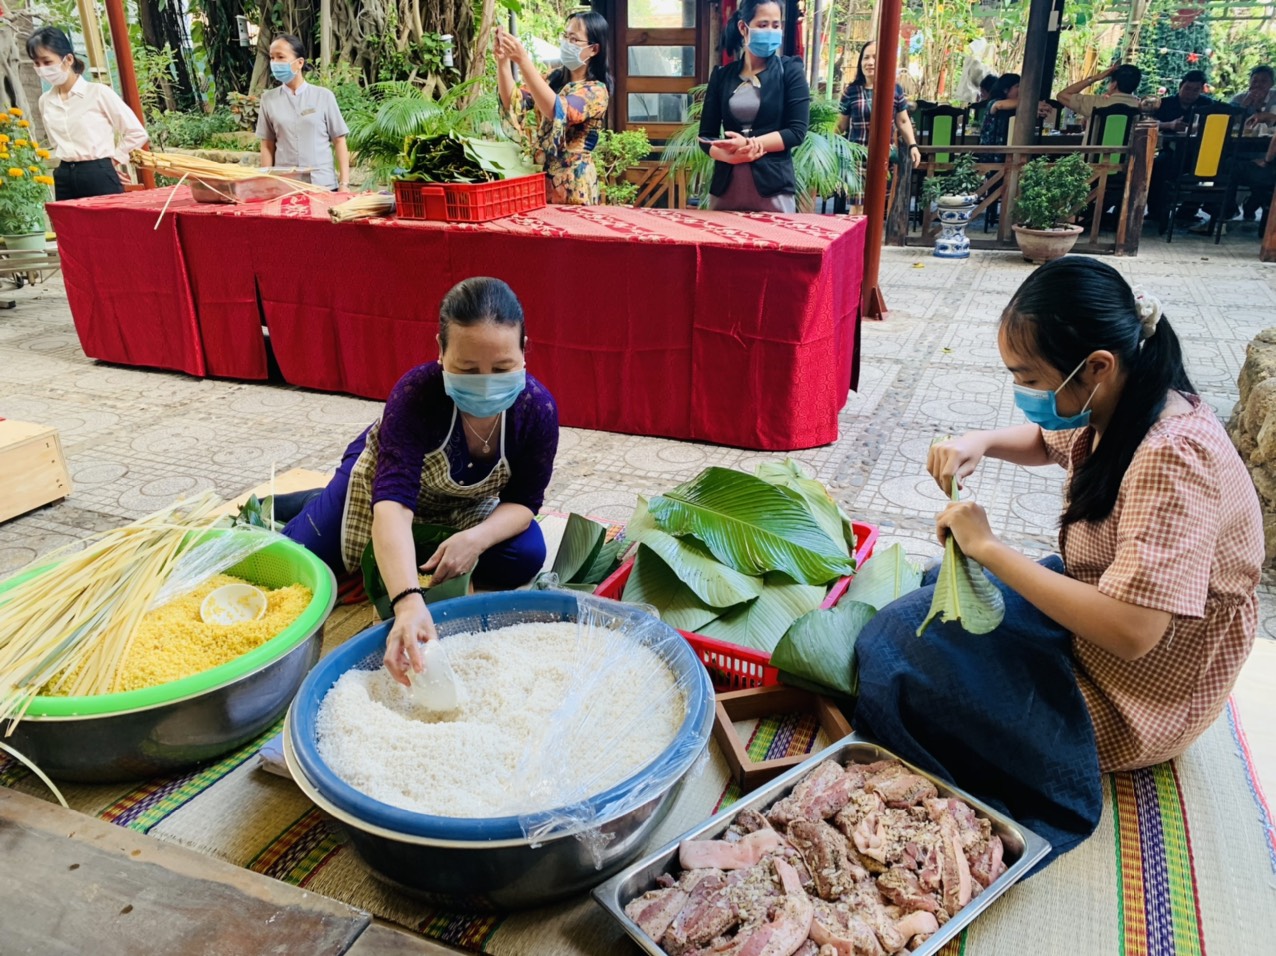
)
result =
(73, 884)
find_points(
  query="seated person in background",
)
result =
(1123, 79)
(1175, 116)
(1259, 177)
(1176, 112)
(1259, 101)
(986, 86)
(1002, 104)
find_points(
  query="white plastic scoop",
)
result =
(233, 604)
(438, 688)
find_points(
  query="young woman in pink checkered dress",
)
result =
(1119, 652)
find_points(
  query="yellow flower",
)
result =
(15, 172)
(23, 123)
(33, 169)
(44, 180)
(14, 111)
(21, 142)
(3, 138)
(43, 153)
(4, 117)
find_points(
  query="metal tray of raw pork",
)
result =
(780, 911)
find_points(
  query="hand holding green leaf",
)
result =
(963, 592)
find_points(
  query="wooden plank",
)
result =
(382, 940)
(295, 479)
(73, 885)
(33, 471)
(1137, 181)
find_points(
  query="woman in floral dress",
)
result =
(570, 104)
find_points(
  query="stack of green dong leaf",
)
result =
(739, 557)
(453, 158)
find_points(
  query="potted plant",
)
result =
(1050, 194)
(954, 193)
(24, 183)
(615, 154)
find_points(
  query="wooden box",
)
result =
(32, 470)
(768, 702)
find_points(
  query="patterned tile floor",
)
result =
(137, 439)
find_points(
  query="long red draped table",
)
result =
(722, 327)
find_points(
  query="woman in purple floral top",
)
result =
(467, 442)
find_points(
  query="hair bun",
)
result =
(1149, 311)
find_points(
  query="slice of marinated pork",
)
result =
(656, 909)
(987, 864)
(818, 796)
(784, 928)
(722, 855)
(827, 858)
(901, 789)
(954, 869)
(901, 887)
(840, 932)
(706, 915)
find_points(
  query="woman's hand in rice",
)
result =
(412, 627)
(454, 557)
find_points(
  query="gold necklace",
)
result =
(487, 442)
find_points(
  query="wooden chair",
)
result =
(1111, 126)
(1203, 171)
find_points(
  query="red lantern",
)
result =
(1193, 57)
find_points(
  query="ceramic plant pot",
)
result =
(1042, 245)
(34, 240)
(954, 216)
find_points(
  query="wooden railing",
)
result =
(1001, 188)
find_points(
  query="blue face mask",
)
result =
(763, 43)
(484, 395)
(282, 72)
(1039, 406)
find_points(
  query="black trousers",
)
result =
(94, 177)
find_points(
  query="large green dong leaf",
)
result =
(752, 526)
(963, 592)
(761, 623)
(888, 577)
(791, 475)
(653, 582)
(582, 540)
(819, 649)
(715, 584)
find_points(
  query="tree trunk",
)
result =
(230, 63)
(164, 25)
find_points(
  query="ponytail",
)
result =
(732, 41)
(1071, 308)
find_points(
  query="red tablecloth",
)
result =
(126, 281)
(735, 329)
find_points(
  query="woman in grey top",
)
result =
(300, 124)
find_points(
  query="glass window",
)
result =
(666, 61)
(662, 14)
(658, 107)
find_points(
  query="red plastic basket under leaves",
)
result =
(731, 666)
(469, 202)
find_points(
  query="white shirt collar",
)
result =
(298, 90)
(80, 87)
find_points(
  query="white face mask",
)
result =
(53, 75)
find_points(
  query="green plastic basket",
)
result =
(277, 565)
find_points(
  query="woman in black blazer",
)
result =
(762, 104)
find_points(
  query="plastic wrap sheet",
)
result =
(210, 557)
(612, 639)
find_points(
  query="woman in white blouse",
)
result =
(89, 127)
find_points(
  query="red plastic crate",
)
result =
(731, 666)
(469, 202)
